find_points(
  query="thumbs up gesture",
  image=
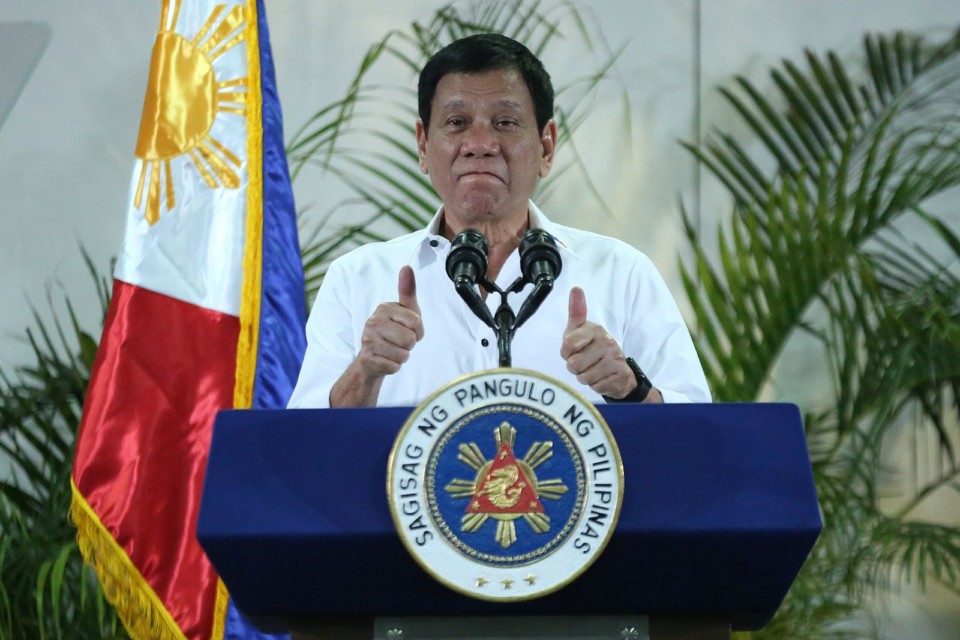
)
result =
(592, 354)
(390, 334)
(407, 292)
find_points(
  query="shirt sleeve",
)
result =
(657, 337)
(331, 330)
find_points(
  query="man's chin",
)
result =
(481, 208)
(478, 206)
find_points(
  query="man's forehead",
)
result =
(501, 88)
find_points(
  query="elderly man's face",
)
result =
(484, 153)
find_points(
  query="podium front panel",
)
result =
(719, 514)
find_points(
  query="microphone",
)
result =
(467, 266)
(539, 258)
(540, 264)
(467, 260)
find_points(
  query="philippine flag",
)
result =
(207, 314)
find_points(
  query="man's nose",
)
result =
(480, 140)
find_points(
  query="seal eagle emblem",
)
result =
(505, 484)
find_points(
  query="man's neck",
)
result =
(502, 240)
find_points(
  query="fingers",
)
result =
(389, 335)
(602, 367)
(599, 358)
(381, 356)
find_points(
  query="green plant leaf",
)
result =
(816, 254)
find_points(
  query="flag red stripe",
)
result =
(163, 370)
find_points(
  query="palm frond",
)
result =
(46, 591)
(830, 198)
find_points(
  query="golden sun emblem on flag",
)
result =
(184, 96)
(506, 488)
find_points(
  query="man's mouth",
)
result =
(480, 175)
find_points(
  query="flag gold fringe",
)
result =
(138, 606)
(247, 342)
(253, 250)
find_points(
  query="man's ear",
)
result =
(548, 141)
(422, 146)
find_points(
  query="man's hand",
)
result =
(389, 336)
(593, 355)
(392, 331)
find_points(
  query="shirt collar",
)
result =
(538, 220)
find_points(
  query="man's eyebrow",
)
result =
(504, 103)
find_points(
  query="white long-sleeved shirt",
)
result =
(624, 293)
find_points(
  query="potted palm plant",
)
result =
(841, 245)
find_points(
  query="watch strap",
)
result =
(643, 388)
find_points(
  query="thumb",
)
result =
(407, 289)
(577, 310)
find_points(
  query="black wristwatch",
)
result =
(643, 385)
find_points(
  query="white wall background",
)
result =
(66, 148)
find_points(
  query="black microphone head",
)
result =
(467, 257)
(539, 256)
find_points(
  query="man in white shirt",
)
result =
(485, 137)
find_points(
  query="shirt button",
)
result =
(485, 342)
(434, 243)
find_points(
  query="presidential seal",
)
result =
(505, 485)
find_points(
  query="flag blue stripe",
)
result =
(283, 310)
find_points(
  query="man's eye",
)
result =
(506, 123)
(455, 122)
